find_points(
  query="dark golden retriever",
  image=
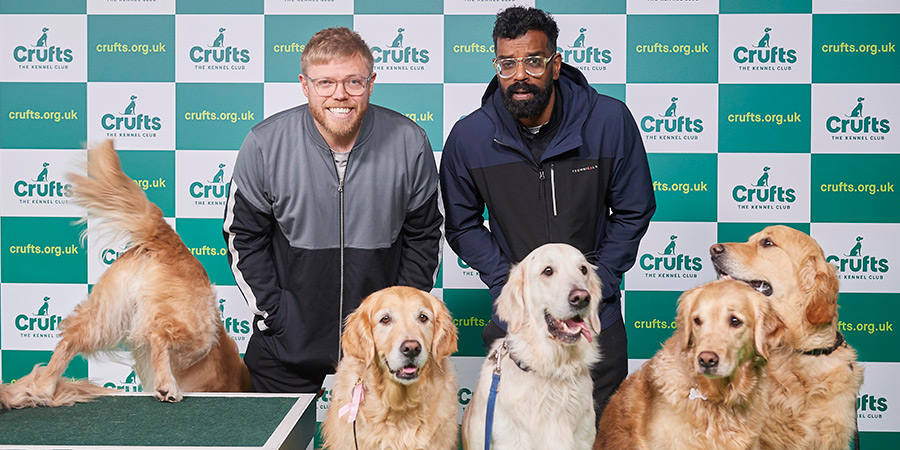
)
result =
(155, 298)
(706, 387)
(397, 348)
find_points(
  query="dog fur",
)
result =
(398, 345)
(156, 298)
(813, 398)
(550, 304)
(718, 350)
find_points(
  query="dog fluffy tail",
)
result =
(33, 390)
(130, 212)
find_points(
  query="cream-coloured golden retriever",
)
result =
(705, 389)
(550, 304)
(397, 347)
(814, 376)
(155, 298)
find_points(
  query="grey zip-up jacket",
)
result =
(306, 249)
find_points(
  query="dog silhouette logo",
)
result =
(43, 175)
(857, 249)
(670, 249)
(764, 178)
(670, 111)
(579, 41)
(398, 41)
(44, 310)
(220, 175)
(222, 308)
(129, 110)
(764, 41)
(220, 40)
(131, 378)
(857, 111)
(42, 41)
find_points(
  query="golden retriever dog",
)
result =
(397, 348)
(814, 376)
(550, 303)
(155, 298)
(705, 389)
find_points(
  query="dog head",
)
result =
(724, 324)
(554, 288)
(400, 329)
(789, 267)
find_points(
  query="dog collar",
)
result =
(838, 341)
(498, 353)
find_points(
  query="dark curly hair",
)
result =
(515, 21)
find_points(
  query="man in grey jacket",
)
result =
(329, 202)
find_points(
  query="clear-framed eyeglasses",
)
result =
(534, 65)
(325, 87)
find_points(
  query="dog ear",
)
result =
(682, 317)
(595, 286)
(820, 284)
(511, 304)
(769, 327)
(358, 341)
(445, 338)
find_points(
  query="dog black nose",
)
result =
(579, 298)
(708, 360)
(410, 348)
(716, 249)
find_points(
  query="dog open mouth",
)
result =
(409, 372)
(762, 286)
(567, 331)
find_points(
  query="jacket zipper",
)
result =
(541, 186)
(341, 231)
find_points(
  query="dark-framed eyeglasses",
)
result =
(535, 65)
(325, 87)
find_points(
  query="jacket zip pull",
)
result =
(541, 185)
(553, 188)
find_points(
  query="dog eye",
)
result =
(698, 321)
(385, 319)
(548, 271)
(766, 242)
(735, 322)
(423, 318)
(583, 270)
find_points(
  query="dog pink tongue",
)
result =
(410, 369)
(571, 324)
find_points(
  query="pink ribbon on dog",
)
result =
(353, 406)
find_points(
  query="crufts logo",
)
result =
(211, 192)
(764, 53)
(585, 56)
(232, 324)
(857, 123)
(871, 407)
(671, 264)
(218, 52)
(670, 122)
(130, 123)
(40, 322)
(42, 189)
(762, 195)
(855, 265)
(41, 52)
(397, 53)
(130, 384)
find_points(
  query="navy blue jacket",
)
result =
(591, 188)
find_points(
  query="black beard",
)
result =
(533, 107)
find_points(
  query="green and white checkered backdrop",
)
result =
(752, 113)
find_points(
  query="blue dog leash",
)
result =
(492, 397)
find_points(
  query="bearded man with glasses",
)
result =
(329, 202)
(553, 161)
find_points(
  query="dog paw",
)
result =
(170, 395)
